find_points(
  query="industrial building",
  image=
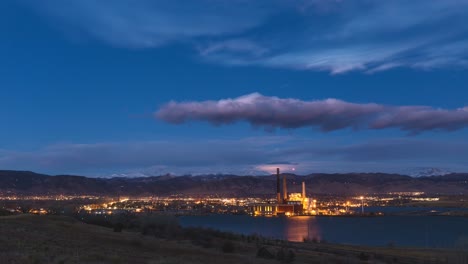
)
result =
(286, 204)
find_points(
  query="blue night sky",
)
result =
(146, 87)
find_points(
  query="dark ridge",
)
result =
(26, 183)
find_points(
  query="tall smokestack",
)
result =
(303, 190)
(285, 189)
(278, 192)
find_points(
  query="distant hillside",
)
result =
(24, 182)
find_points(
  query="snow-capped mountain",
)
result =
(427, 172)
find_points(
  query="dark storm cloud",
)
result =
(327, 115)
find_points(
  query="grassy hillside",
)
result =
(56, 239)
(50, 239)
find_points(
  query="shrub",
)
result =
(286, 256)
(280, 255)
(263, 252)
(228, 247)
(363, 256)
(161, 226)
(199, 236)
(118, 227)
(290, 257)
(136, 243)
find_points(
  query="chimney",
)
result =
(285, 189)
(278, 192)
(303, 190)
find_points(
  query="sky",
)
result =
(150, 87)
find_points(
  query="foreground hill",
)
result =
(56, 239)
(53, 239)
(23, 182)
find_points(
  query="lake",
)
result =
(408, 231)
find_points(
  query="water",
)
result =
(408, 209)
(408, 231)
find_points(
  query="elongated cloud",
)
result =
(244, 156)
(152, 23)
(327, 115)
(361, 35)
(320, 35)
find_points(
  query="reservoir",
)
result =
(407, 231)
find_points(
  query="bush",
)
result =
(99, 220)
(291, 256)
(161, 226)
(5, 212)
(280, 255)
(198, 236)
(136, 243)
(363, 256)
(285, 255)
(228, 247)
(263, 252)
(118, 227)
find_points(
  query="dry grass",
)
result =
(55, 239)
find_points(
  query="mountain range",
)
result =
(27, 183)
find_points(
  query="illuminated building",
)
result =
(292, 204)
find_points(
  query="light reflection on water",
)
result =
(415, 231)
(302, 227)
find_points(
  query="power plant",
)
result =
(288, 204)
(278, 191)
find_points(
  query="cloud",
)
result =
(369, 36)
(248, 156)
(178, 157)
(422, 118)
(151, 23)
(398, 150)
(135, 154)
(333, 36)
(233, 46)
(281, 163)
(393, 155)
(327, 115)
